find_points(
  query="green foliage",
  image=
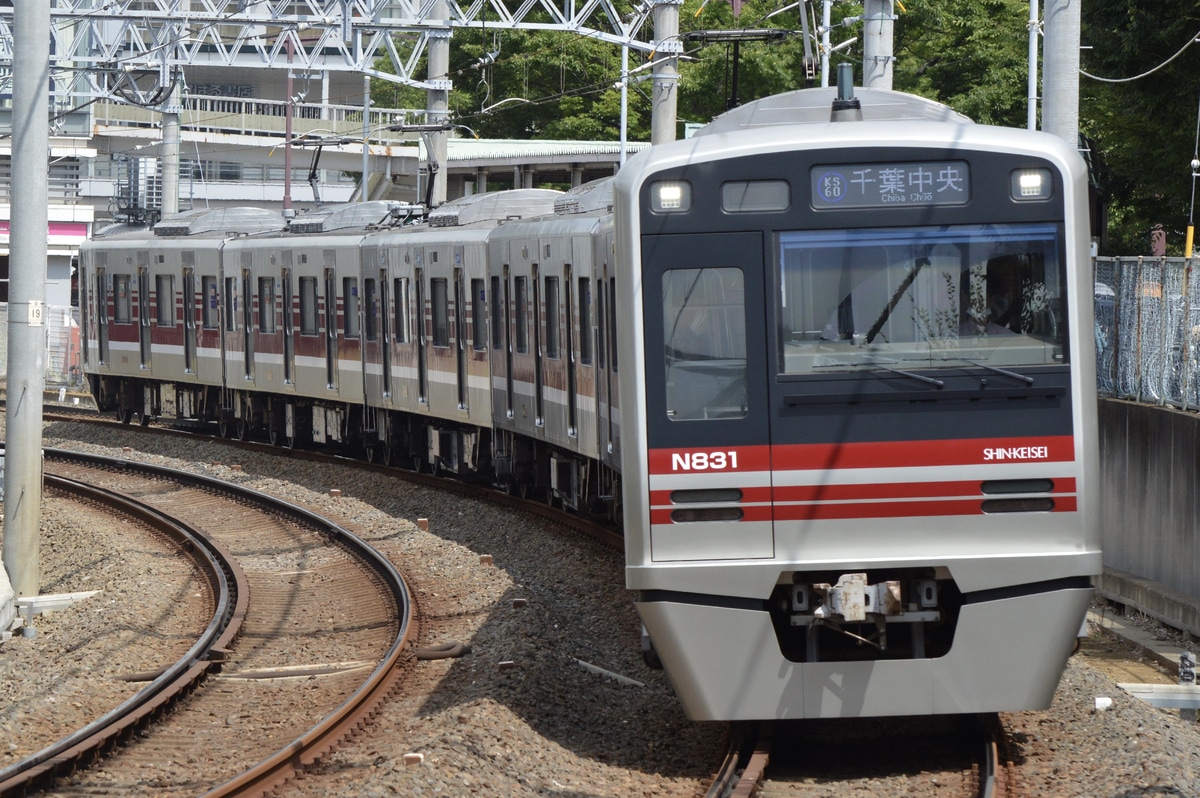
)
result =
(1143, 130)
(558, 86)
(969, 54)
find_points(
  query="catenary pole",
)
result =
(1034, 41)
(667, 48)
(878, 27)
(170, 157)
(438, 102)
(1060, 70)
(26, 295)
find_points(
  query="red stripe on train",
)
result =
(889, 454)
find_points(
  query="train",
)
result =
(829, 362)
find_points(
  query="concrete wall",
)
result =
(1150, 510)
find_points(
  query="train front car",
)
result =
(863, 387)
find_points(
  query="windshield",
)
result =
(921, 297)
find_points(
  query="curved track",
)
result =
(315, 607)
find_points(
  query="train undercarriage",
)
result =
(511, 462)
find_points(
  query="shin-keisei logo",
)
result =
(1018, 453)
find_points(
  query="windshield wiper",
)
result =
(994, 369)
(891, 369)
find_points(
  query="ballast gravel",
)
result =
(552, 698)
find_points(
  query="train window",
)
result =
(308, 306)
(521, 322)
(497, 311)
(403, 325)
(585, 321)
(370, 310)
(211, 309)
(602, 321)
(266, 304)
(122, 299)
(231, 304)
(704, 326)
(478, 323)
(441, 311)
(612, 320)
(931, 297)
(164, 297)
(350, 315)
(552, 317)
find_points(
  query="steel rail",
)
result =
(304, 750)
(231, 594)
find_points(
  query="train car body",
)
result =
(301, 317)
(427, 366)
(153, 313)
(553, 433)
(858, 401)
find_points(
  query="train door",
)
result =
(331, 325)
(289, 324)
(538, 355)
(508, 343)
(460, 331)
(189, 312)
(569, 352)
(99, 304)
(143, 278)
(247, 315)
(603, 345)
(706, 400)
(422, 341)
(386, 316)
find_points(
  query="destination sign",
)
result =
(889, 185)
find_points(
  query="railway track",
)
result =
(605, 534)
(943, 756)
(309, 629)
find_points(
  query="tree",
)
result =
(557, 86)
(1144, 128)
(969, 54)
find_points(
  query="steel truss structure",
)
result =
(110, 47)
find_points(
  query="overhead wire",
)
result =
(1195, 38)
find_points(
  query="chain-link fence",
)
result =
(64, 358)
(1148, 330)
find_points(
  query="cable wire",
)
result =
(1195, 37)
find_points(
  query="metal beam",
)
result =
(119, 36)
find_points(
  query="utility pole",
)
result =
(170, 157)
(366, 148)
(667, 48)
(438, 103)
(1034, 41)
(287, 130)
(879, 22)
(1060, 68)
(27, 294)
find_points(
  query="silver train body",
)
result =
(859, 409)
(835, 378)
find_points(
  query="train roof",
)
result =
(813, 106)
(230, 221)
(349, 216)
(496, 206)
(594, 196)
